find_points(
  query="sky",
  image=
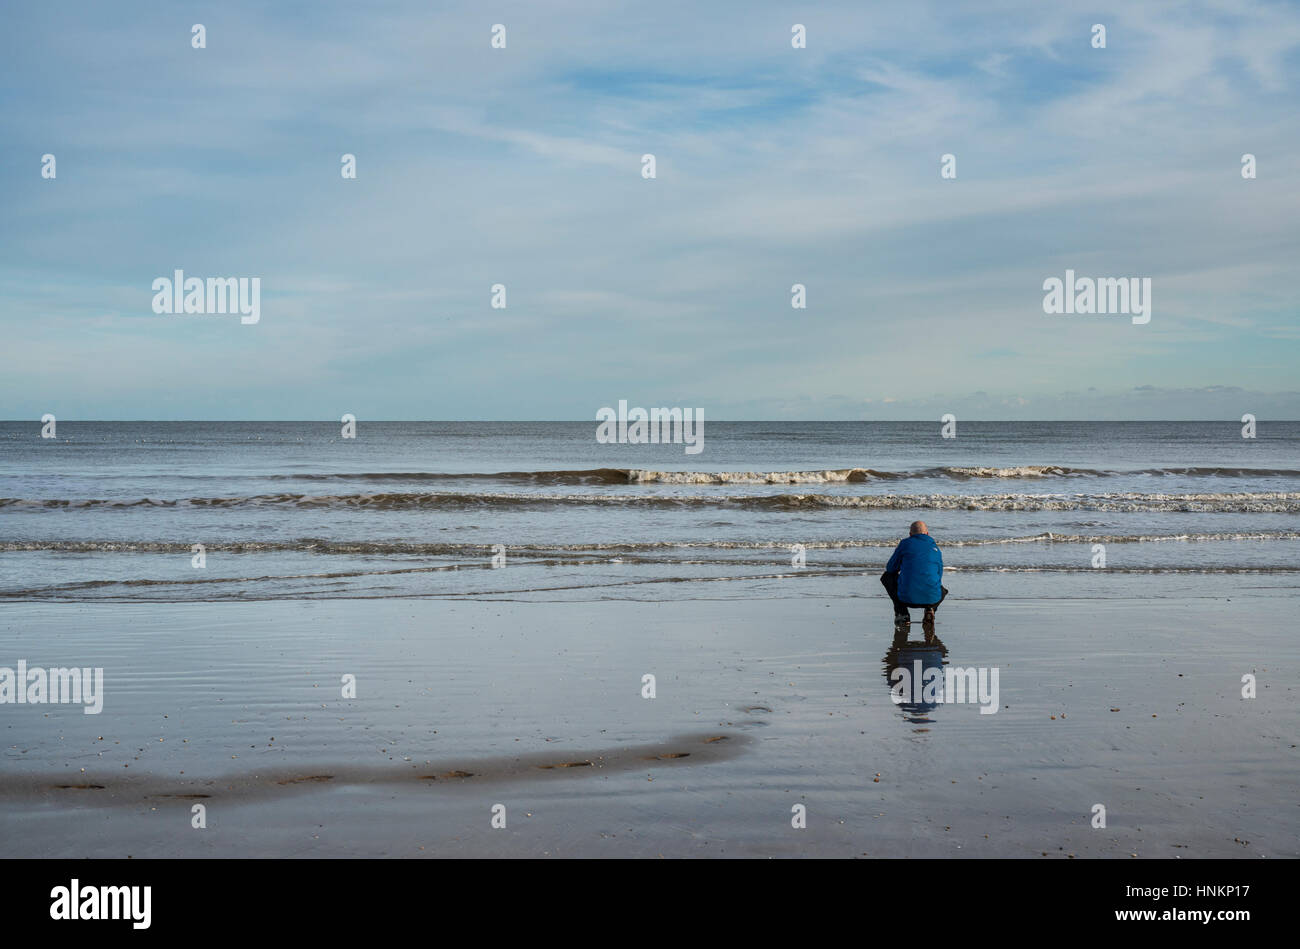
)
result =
(775, 166)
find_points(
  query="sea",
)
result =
(233, 511)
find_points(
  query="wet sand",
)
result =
(763, 701)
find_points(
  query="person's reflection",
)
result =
(906, 665)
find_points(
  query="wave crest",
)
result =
(1273, 502)
(615, 476)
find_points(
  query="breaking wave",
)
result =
(615, 476)
(1275, 502)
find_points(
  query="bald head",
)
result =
(918, 527)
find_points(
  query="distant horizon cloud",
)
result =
(1142, 403)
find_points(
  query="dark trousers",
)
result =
(890, 583)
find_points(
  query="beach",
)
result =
(517, 431)
(767, 695)
(509, 639)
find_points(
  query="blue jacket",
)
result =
(920, 568)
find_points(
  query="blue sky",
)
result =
(775, 165)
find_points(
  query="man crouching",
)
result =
(912, 576)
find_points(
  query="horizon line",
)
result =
(332, 421)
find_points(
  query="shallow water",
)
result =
(292, 510)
